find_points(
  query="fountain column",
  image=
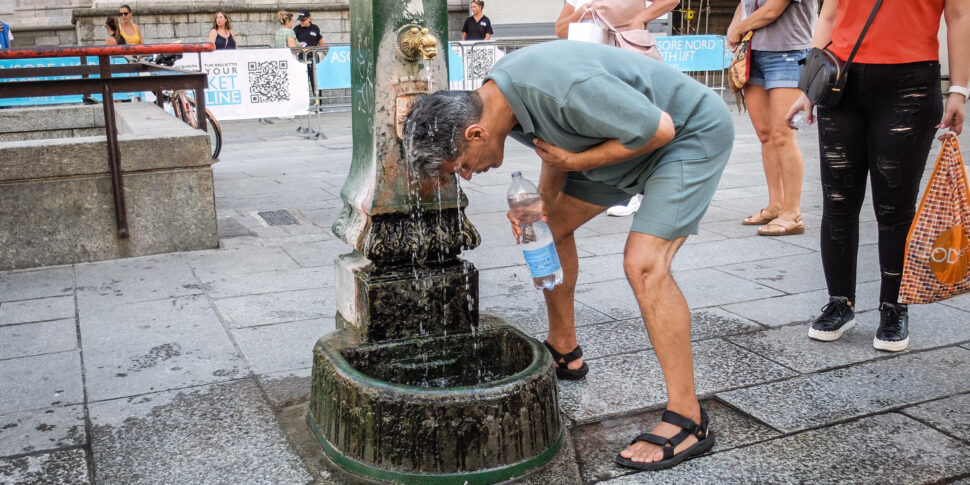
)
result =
(411, 388)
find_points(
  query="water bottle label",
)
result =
(543, 261)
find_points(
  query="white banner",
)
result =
(252, 83)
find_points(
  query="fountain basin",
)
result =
(445, 409)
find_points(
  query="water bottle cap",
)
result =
(516, 175)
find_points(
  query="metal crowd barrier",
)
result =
(479, 56)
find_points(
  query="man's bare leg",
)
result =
(647, 264)
(564, 216)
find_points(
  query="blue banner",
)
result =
(54, 62)
(694, 52)
(333, 72)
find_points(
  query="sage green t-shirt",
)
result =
(576, 95)
(282, 34)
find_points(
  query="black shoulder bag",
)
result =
(824, 75)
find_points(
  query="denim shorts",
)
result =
(776, 69)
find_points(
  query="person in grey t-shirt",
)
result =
(782, 35)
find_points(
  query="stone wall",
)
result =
(73, 22)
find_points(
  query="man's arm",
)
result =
(607, 153)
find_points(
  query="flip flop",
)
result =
(763, 216)
(782, 227)
(705, 441)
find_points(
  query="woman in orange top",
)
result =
(882, 129)
(129, 30)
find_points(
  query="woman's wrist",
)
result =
(962, 90)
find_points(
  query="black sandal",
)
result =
(564, 372)
(705, 441)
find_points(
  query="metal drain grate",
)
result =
(281, 217)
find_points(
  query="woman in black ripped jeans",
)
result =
(881, 130)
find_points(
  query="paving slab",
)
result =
(37, 338)
(240, 261)
(734, 229)
(905, 452)
(270, 308)
(503, 281)
(625, 383)
(931, 326)
(28, 285)
(283, 346)
(599, 269)
(269, 282)
(41, 309)
(731, 251)
(315, 253)
(801, 273)
(960, 301)
(43, 429)
(625, 336)
(39, 382)
(135, 279)
(223, 433)
(67, 467)
(597, 444)
(527, 311)
(950, 415)
(832, 396)
(800, 307)
(154, 346)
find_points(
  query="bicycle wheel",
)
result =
(215, 134)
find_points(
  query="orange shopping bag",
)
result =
(938, 245)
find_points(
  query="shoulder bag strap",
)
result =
(872, 15)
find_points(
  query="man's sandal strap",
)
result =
(577, 353)
(652, 439)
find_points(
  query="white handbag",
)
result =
(590, 31)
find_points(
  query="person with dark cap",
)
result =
(307, 33)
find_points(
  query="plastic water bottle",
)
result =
(537, 244)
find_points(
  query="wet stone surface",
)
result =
(222, 433)
(598, 444)
(62, 467)
(906, 452)
(46, 429)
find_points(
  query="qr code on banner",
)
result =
(479, 62)
(268, 82)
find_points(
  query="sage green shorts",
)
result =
(676, 194)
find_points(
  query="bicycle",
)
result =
(179, 103)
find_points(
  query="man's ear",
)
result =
(476, 131)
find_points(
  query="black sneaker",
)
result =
(893, 332)
(837, 317)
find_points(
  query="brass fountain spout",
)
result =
(414, 42)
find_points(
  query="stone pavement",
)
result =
(194, 367)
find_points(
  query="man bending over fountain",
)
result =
(607, 124)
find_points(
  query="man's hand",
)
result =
(517, 229)
(558, 158)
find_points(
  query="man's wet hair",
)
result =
(434, 129)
